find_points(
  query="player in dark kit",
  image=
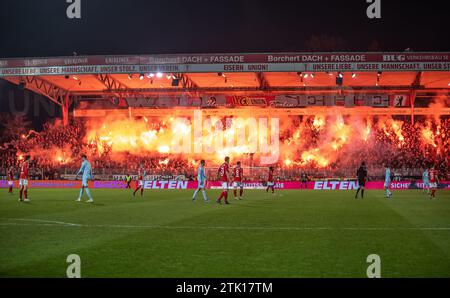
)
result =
(361, 174)
(10, 180)
(304, 180)
(128, 181)
(270, 182)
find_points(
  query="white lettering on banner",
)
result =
(348, 58)
(226, 59)
(192, 59)
(272, 58)
(162, 184)
(312, 58)
(400, 185)
(343, 185)
(116, 60)
(333, 185)
(72, 61)
(233, 67)
(394, 58)
(258, 67)
(318, 185)
(35, 62)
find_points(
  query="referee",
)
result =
(128, 180)
(361, 173)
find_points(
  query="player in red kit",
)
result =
(270, 182)
(238, 178)
(11, 179)
(141, 175)
(433, 174)
(23, 179)
(223, 175)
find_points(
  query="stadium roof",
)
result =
(86, 77)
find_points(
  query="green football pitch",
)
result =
(165, 234)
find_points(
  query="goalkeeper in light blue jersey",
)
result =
(201, 178)
(387, 181)
(86, 171)
(426, 181)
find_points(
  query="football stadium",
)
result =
(216, 148)
(227, 165)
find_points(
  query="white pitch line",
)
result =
(41, 222)
(47, 221)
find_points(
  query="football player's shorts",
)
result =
(270, 183)
(84, 181)
(23, 182)
(141, 183)
(433, 185)
(237, 184)
(225, 185)
(10, 182)
(201, 184)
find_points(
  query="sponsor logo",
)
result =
(172, 184)
(333, 185)
(394, 58)
(248, 101)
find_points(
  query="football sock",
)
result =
(88, 193)
(142, 191)
(226, 196)
(235, 193)
(81, 193)
(136, 190)
(241, 192)
(204, 195)
(195, 193)
(20, 193)
(362, 193)
(10, 189)
(25, 193)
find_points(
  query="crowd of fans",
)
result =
(55, 151)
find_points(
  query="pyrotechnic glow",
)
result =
(287, 162)
(428, 136)
(320, 140)
(366, 131)
(318, 122)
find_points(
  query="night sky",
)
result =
(31, 28)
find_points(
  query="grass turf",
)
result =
(164, 234)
